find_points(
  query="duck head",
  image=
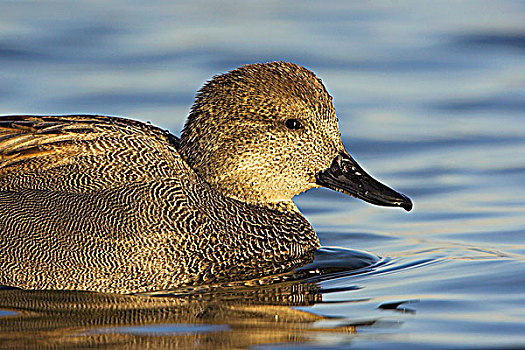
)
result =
(264, 133)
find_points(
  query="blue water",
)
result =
(431, 100)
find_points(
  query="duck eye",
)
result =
(294, 124)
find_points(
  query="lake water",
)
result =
(431, 100)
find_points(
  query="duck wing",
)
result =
(83, 153)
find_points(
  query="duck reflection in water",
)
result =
(237, 315)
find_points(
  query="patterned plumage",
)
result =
(114, 205)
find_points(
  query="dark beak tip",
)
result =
(406, 204)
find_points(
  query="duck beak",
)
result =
(345, 175)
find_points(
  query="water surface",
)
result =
(430, 100)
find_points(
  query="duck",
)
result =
(113, 205)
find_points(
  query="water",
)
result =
(430, 99)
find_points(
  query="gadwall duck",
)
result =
(114, 205)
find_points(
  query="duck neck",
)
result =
(236, 185)
(262, 198)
